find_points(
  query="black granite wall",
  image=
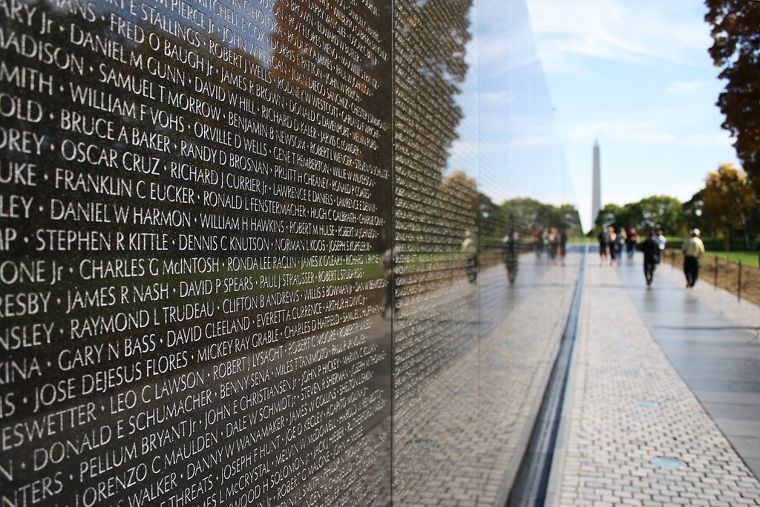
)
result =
(237, 264)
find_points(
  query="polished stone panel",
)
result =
(251, 253)
(195, 213)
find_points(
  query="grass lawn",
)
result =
(748, 258)
(582, 240)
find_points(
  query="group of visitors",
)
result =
(614, 240)
(550, 241)
(692, 247)
(553, 242)
(653, 248)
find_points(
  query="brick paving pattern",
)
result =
(629, 408)
(458, 441)
(743, 313)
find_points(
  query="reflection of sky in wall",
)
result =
(507, 137)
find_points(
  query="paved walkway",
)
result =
(459, 436)
(634, 432)
(713, 342)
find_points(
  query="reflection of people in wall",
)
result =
(470, 250)
(389, 273)
(562, 245)
(692, 248)
(538, 244)
(510, 251)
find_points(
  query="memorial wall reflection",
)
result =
(237, 266)
(476, 160)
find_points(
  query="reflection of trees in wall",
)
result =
(461, 190)
(491, 223)
(429, 66)
(524, 215)
(431, 215)
(333, 61)
(362, 90)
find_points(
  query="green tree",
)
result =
(736, 50)
(693, 212)
(653, 212)
(491, 223)
(522, 214)
(728, 201)
(660, 212)
(462, 190)
(609, 215)
(569, 218)
(631, 215)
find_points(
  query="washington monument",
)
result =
(596, 192)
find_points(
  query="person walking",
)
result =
(661, 240)
(622, 237)
(651, 250)
(470, 250)
(553, 240)
(692, 248)
(631, 241)
(537, 242)
(603, 244)
(613, 244)
(389, 274)
(510, 255)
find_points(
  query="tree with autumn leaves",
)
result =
(735, 26)
(730, 194)
(728, 201)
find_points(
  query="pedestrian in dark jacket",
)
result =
(510, 255)
(603, 244)
(651, 250)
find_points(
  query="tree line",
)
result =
(724, 208)
(524, 216)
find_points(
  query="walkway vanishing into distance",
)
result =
(714, 343)
(663, 405)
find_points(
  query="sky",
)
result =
(636, 75)
(507, 138)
